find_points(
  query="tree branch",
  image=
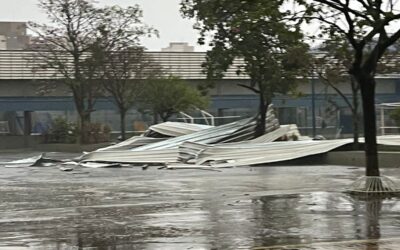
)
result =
(329, 83)
(249, 87)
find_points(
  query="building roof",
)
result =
(15, 64)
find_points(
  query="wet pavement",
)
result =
(281, 207)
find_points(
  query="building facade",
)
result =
(21, 82)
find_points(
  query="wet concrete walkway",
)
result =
(291, 207)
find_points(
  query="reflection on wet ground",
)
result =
(292, 207)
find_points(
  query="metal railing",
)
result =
(208, 118)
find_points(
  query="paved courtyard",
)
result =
(272, 207)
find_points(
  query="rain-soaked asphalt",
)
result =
(290, 207)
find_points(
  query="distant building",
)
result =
(178, 47)
(3, 42)
(13, 36)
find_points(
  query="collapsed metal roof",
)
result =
(188, 146)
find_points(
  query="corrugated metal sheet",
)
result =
(254, 154)
(24, 64)
(133, 142)
(389, 140)
(175, 129)
(161, 156)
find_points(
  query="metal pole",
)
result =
(314, 125)
(382, 121)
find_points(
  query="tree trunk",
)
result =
(155, 118)
(84, 122)
(84, 114)
(367, 85)
(164, 117)
(263, 106)
(122, 124)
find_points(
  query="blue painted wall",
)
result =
(217, 102)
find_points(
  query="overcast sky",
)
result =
(161, 14)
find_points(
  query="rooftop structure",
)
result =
(178, 47)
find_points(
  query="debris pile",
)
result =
(175, 145)
(228, 145)
(168, 150)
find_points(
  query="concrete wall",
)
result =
(32, 88)
(387, 159)
(383, 86)
(15, 142)
(35, 88)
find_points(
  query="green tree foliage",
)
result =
(260, 33)
(370, 28)
(66, 46)
(62, 131)
(168, 96)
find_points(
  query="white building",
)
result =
(178, 47)
(13, 36)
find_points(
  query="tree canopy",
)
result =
(259, 32)
(165, 97)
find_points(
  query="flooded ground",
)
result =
(290, 207)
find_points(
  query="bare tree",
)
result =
(78, 29)
(125, 73)
(63, 48)
(122, 64)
